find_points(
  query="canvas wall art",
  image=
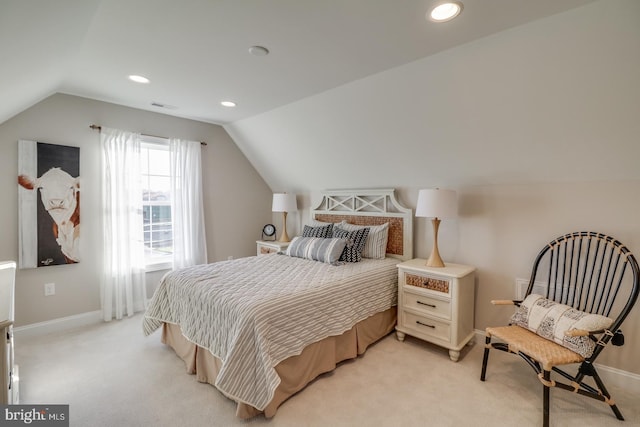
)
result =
(48, 203)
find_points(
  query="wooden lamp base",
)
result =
(435, 260)
(284, 237)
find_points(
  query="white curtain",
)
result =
(189, 240)
(123, 280)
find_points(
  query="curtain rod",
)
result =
(99, 128)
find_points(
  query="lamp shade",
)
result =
(437, 203)
(284, 202)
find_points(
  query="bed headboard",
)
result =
(370, 207)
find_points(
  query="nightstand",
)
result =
(266, 247)
(436, 304)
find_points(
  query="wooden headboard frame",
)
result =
(370, 207)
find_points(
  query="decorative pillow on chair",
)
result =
(376, 244)
(324, 231)
(316, 249)
(355, 243)
(551, 320)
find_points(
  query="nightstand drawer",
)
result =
(264, 250)
(427, 282)
(427, 305)
(266, 247)
(427, 326)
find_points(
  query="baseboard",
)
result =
(619, 378)
(612, 377)
(58, 325)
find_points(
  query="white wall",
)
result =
(536, 127)
(553, 100)
(237, 200)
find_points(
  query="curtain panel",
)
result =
(187, 207)
(123, 279)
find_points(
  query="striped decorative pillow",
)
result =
(355, 243)
(316, 249)
(376, 245)
(316, 223)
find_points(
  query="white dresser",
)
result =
(436, 304)
(8, 370)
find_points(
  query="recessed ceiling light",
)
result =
(228, 103)
(138, 79)
(445, 11)
(258, 50)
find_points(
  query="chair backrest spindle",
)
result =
(570, 275)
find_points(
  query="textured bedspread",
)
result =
(253, 313)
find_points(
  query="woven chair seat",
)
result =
(546, 352)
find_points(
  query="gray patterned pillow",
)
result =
(551, 320)
(355, 243)
(324, 231)
(376, 245)
(316, 249)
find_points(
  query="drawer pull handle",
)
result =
(424, 324)
(428, 305)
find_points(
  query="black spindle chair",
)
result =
(586, 271)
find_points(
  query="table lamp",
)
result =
(284, 202)
(436, 203)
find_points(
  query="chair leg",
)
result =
(485, 358)
(605, 393)
(545, 398)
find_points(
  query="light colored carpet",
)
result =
(111, 375)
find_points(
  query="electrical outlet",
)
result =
(49, 289)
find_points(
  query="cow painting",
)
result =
(60, 195)
(49, 204)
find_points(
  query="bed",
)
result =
(261, 328)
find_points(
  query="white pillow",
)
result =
(551, 320)
(376, 244)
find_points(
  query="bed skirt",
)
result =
(296, 371)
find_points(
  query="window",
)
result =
(156, 203)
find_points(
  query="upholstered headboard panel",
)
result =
(370, 207)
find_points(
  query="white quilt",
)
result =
(253, 313)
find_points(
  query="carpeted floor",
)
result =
(111, 375)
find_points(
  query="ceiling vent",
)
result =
(159, 105)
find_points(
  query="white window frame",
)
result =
(156, 263)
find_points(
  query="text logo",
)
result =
(34, 415)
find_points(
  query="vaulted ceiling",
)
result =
(356, 93)
(195, 52)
